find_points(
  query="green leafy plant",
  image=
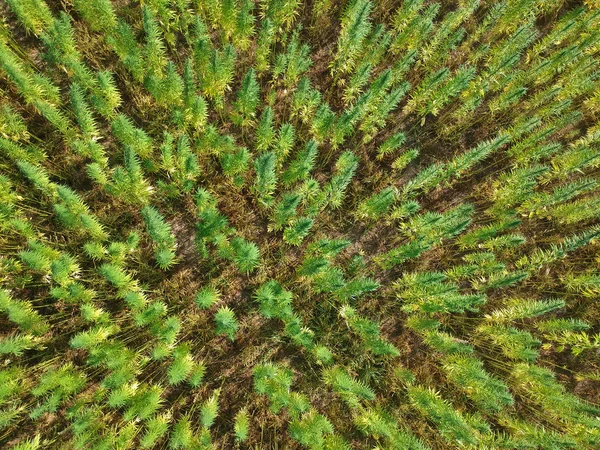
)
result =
(226, 322)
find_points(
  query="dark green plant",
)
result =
(160, 232)
(247, 100)
(226, 322)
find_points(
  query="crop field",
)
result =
(300, 224)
